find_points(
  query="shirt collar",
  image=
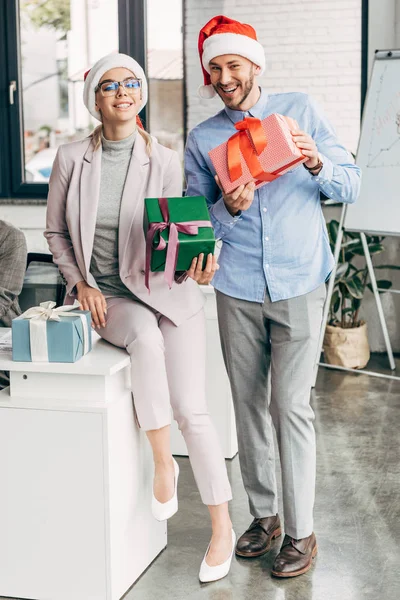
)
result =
(256, 111)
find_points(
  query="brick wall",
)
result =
(313, 47)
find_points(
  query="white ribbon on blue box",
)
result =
(78, 341)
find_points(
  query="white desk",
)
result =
(218, 390)
(76, 478)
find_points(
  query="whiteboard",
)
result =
(377, 210)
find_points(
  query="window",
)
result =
(62, 70)
(45, 48)
(165, 73)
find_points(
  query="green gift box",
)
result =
(187, 214)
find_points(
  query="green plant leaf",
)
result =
(341, 270)
(384, 283)
(394, 267)
(360, 272)
(343, 291)
(373, 249)
(336, 306)
(335, 302)
(354, 287)
(353, 250)
(381, 283)
(352, 235)
(350, 243)
(333, 228)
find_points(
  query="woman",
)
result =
(95, 233)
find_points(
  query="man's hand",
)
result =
(239, 199)
(308, 147)
(93, 300)
(196, 269)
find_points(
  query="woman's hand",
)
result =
(93, 300)
(196, 271)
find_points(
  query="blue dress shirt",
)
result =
(280, 243)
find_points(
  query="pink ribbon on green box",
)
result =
(188, 227)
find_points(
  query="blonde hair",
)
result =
(96, 138)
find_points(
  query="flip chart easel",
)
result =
(377, 211)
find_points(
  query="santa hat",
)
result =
(93, 76)
(221, 36)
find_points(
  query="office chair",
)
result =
(42, 281)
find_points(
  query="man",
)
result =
(270, 288)
(12, 271)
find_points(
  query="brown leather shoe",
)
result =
(258, 537)
(295, 556)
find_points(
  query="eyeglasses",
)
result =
(110, 88)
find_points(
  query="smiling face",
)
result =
(233, 78)
(121, 106)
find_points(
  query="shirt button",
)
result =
(264, 210)
(317, 179)
(266, 266)
(267, 239)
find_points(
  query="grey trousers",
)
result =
(281, 337)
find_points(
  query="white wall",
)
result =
(314, 47)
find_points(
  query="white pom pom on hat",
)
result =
(111, 61)
(206, 91)
(222, 35)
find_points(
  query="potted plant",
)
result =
(346, 341)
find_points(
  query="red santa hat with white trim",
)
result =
(222, 35)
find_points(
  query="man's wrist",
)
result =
(231, 211)
(314, 170)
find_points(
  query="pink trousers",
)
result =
(168, 370)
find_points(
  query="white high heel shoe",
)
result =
(208, 573)
(164, 510)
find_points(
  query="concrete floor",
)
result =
(357, 510)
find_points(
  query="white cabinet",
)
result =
(76, 479)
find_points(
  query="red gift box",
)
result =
(260, 151)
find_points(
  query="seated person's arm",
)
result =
(12, 270)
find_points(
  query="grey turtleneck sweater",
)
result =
(104, 265)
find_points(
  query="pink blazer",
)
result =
(71, 220)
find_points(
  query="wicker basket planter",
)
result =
(347, 347)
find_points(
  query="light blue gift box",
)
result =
(64, 338)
